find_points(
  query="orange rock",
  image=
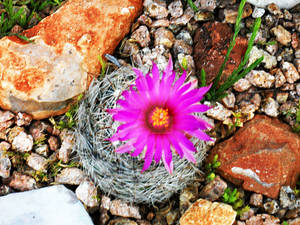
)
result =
(211, 44)
(204, 212)
(262, 156)
(42, 78)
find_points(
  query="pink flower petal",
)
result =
(200, 135)
(158, 149)
(124, 148)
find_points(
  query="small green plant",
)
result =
(40, 176)
(184, 64)
(296, 127)
(230, 196)
(69, 122)
(192, 5)
(10, 17)
(40, 141)
(285, 223)
(103, 66)
(57, 166)
(216, 93)
(236, 121)
(210, 168)
(243, 210)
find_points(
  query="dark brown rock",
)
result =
(53, 143)
(211, 44)
(214, 189)
(262, 156)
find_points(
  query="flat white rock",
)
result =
(45, 206)
(284, 4)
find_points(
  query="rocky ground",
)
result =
(36, 154)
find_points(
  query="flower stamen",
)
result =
(160, 117)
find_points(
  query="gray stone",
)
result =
(165, 37)
(279, 78)
(175, 9)
(260, 78)
(22, 182)
(290, 72)
(282, 35)
(45, 206)
(141, 36)
(258, 12)
(229, 100)
(42, 150)
(269, 61)
(288, 198)
(120, 208)
(5, 165)
(219, 112)
(186, 36)
(270, 107)
(160, 23)
(157, 11)
(87, 193)
(22, 142)
(272, 49)
(263, 219)
(184, 19)
(37, 162)
(23, 119)
(73, 176)
(256, 199)
(282, 97)
(242, 85)
(6, 116)
(208, 5)
(66, 148)
(180, 46)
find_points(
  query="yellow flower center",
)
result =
(160, 117)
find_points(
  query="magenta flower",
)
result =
(156, 115)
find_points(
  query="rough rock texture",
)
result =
(262, 156)
(263, 219)
(204, 212)
(42, 78)
(211, 44)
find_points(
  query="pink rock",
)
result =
(43, 77)
(262, 156)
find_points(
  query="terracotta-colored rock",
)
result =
(42, 78)
(211, 44)
(204, 212)
(262, 156)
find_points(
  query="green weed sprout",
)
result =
(12, 17)
(210, 168)
(70, 121)
(230, 196)
(216, 93)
